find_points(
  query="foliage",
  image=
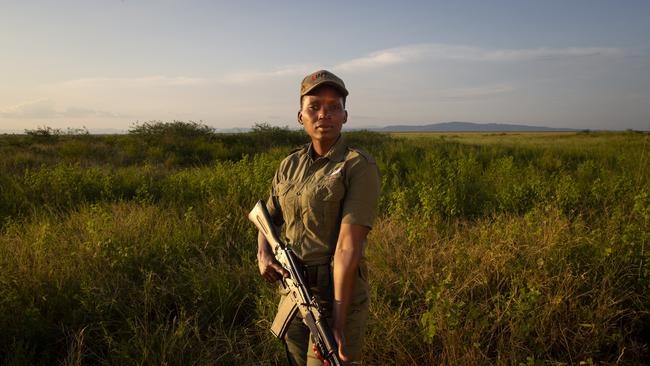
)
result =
(489, 249)
(172, 130)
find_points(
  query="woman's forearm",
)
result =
(349, 250)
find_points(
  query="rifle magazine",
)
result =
(286, 311)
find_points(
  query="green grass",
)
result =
(489, 248)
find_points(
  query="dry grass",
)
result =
(498, 249)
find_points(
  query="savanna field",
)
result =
(504, 249)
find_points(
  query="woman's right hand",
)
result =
(270, 268)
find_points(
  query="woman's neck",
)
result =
(322, 147)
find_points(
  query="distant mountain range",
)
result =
(470, 127)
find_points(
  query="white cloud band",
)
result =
(45, 108)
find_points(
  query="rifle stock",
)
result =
(259, 215)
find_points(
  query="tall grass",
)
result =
(489, 249)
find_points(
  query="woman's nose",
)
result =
(324, 113)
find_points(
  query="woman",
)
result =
(325, 194)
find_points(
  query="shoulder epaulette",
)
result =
(363, 153)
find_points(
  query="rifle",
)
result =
(299, 298)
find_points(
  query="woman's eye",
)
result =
(313, 107)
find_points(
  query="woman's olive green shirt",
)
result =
(313, 197)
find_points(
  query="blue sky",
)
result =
(106, 64)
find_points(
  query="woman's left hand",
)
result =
(339, 337)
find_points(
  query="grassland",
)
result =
(499, 249)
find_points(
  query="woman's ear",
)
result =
(300, 117)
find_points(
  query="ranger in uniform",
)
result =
(325, 194)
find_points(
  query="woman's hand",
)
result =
(270, 268)
(339, 337)
(340, 341)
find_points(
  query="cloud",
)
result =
(426, 52)
(45, 108)
(240, 77)
(76, 112)
(381, 58)
(436, 52)
(546, 53)
(146, 81)
(245, 77)
(41, 108)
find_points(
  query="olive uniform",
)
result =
(312, 197)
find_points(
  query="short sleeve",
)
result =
(362, 195)
(273, 204)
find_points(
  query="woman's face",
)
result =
(323, 114)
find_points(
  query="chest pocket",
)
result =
(286, 195)
(328, 197)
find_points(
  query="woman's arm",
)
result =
(349, 250)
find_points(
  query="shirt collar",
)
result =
(335, 153)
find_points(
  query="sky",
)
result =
(108, 65)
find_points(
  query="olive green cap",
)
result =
(322, 77)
